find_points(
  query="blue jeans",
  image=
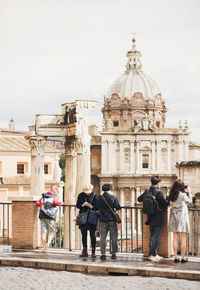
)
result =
(154, 239)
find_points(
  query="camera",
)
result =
(186, 186)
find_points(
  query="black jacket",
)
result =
(83, 197)
(106, 214)
(158, 218)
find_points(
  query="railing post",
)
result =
(24, 224)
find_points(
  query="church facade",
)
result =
(134, 143)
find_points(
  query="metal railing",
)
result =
(68, 234)
(5, 223)
(130, 237)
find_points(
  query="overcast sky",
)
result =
(56, 51)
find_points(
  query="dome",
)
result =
(134, 80)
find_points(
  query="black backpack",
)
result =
(150, 205)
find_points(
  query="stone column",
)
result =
(121, 152)
(158, 157)
(153, 156)
(70, 192)
(104, 160)
(111, 156)
(133, 210)
(138, 155)
(58, 171)
(169, 155)
(132, 156)
(37, 164)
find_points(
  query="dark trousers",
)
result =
(111, 227)
(84, 229)
(154, 239)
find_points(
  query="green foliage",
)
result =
(62, 166)
(62, 161)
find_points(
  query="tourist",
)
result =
(85, 202)
(48, 212)
(107, 220)
(156, 220)
(179, 195)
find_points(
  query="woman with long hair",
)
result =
(179, 195)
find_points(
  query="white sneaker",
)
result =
(154, 258)
(159, 257)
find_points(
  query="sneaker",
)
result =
(159, 257)
(113, 256)
(176, 260)
(45, 249)
(103, 257)
(154, 259)
(184, 260)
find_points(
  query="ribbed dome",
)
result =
(134, 80)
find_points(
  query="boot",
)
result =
(84, 252)
(93, 253)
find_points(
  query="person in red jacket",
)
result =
(48, 212)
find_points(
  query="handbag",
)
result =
(81, 218)
(117, 217)
(88, 216)
(92, 217)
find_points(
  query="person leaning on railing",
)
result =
(180, 195)
(85, 202)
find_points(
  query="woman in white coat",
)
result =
(179, 195)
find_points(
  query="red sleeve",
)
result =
(56, 202)
(39, 202)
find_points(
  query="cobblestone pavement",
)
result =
(27, 279)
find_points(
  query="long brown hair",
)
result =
(177, 186)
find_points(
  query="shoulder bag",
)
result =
(89, 216)
(117, 217)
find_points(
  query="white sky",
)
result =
(56, 51)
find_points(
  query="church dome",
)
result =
(134, 80)
(133, 97)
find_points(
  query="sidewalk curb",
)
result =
(102, 269)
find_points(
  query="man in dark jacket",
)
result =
(107, 220)
(155, 221)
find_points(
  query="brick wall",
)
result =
(164, 248)
(24, 224)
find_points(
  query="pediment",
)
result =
(115, 100)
